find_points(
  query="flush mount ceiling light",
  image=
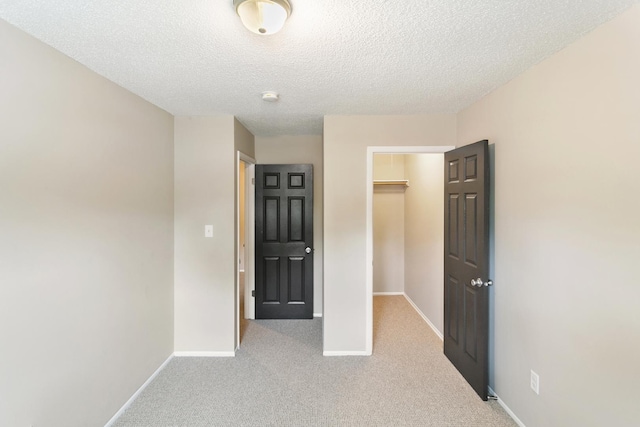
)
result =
(263, 16)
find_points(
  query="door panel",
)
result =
(466, 258)
(271, 282)
(296, 280)
(451, 309)
(296, 219)
(471, 229)
(284, 229)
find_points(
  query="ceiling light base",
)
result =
(263, 16)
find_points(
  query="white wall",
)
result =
(388, 224)
(305, 150)
(424, 235)
(86, 239)
(345, 191)
(566, 135)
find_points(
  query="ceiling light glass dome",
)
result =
(263, 16)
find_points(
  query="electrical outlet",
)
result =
(535, 382)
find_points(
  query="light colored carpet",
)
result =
(280, 378)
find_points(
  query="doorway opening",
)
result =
(394, 186)
(245, 243)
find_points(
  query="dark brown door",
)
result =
(284, 241)
(466, 265)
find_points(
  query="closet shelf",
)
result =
(402, 182)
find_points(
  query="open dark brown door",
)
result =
(466, 265)
(284, 242)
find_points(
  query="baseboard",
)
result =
(377, 294)
(317, 314)
(204, 354)
(425, 318)
(137, 393)
(345, 353)
(506, 408)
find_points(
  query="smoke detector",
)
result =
(270, 96)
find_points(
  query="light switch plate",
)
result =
(208, 231)
(535, 382)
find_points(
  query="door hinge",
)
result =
(253, 293)
(253, 181)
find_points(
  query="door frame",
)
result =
(249, 238)
(371, 150)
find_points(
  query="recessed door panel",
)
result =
(471, 229)
(471, 322)
(296, 280)
(453, 169)
(452, 236)
(296, 180)
(272, 180)
(296, 219)
(452, 297)
(271, 219)
(470, 168)
(271, 280)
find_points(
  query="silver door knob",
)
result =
(307, 250)
(479, 283)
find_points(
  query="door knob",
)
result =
(479, 283)
(308, 250)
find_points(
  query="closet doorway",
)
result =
(405, 229)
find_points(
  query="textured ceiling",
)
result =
(194, 57)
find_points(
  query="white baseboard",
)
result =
(204, 354)
(506, 408)
(376, 294)
(425, 318)
(317, 314)
(137, 393)
(345, 353)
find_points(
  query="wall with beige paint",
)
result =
(243, 140)
(302, 149)
(424, 235)
(204, 267)
(345, 191)
(566, 135)
(388, 225)
(388, 166)
(86, 239)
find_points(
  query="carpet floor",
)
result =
(280, 378)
